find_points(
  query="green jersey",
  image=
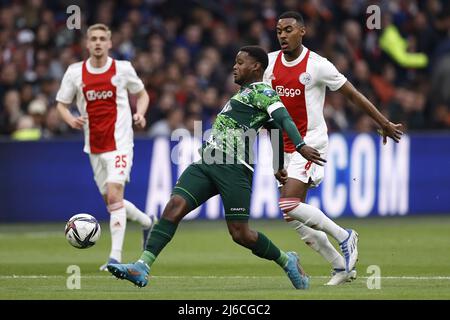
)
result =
(237, 125)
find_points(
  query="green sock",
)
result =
(147, 257)
(283, 259)
(159, 237)
(265, 249)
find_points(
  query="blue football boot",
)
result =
(295, 272)
(110, 261)
(136, 273)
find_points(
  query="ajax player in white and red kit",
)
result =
(300, 77)
(100, 86)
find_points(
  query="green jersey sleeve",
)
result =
(263, 96)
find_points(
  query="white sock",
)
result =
(117, 226)
(319, 242)
(134, 214)
(312, 217)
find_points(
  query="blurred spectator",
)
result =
(182, 58)
(164, 127)
(192, 122)
(365, 124)
(441, 117)
(191, 39)
(162, 108)
(392, 42)
(11, 112)
(210, 103)
(9, 78)
(26, 95)
(440, 78)
(126, 48)
(184, 51)
(26, 130)
(351, 42)
(408, 104)
(37, 110)
(54, 126)
(383, 84)
(222, 40)
(334, 112)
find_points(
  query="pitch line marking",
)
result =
(220, 277)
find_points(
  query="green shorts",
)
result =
(233, 182)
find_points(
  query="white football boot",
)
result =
(349, 248)
(340, 276)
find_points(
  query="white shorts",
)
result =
(111, 167)
(301, 169)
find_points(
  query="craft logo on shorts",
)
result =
(287, 92)
(237, 209)
(92, 95)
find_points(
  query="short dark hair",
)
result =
(258, 53)
(293, 14)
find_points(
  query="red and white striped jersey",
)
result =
(102, 95)
(301, 85)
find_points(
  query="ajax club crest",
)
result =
(305, 78)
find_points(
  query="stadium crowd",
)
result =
(184, 50)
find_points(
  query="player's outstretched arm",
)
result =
(282, 118)
(388, 129)
(73, 122)
(276, 139)
(141, 108)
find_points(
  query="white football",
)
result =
(82, 230)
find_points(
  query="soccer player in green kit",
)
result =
(225, 169)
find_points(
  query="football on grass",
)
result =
(82, 231)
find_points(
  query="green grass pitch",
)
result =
(202, 262)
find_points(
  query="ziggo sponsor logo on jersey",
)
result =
(286, 92)
(93, 95)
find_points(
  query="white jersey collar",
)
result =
(103, 69)
(296, 61)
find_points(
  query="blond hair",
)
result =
(99, 26)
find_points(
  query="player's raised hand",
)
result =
(139, 120)
(312, 155)
(78, 122)
(281, 176)
(391, 130)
